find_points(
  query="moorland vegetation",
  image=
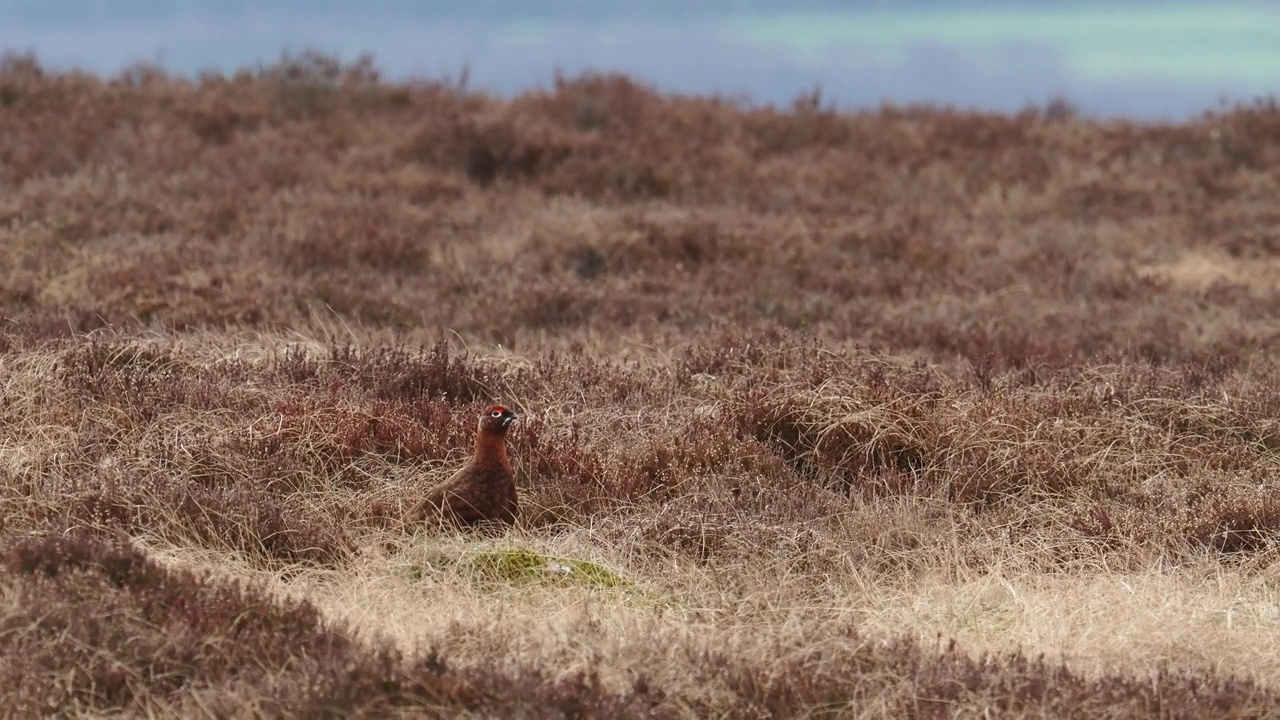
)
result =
(911, 412)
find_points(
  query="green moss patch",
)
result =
(521, 565)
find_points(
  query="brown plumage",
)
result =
(483, 490)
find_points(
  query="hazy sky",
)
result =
(1148, 59)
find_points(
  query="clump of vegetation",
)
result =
(521, 565)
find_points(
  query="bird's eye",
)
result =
(496, 413)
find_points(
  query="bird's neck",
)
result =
(491, 450)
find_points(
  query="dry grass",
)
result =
(907, 413)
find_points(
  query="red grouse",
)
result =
(483, 490)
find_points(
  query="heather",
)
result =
(911, 412)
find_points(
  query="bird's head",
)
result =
(497, 419)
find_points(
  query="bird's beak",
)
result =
(512, 419)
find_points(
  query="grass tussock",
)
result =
(910, 412)
(519, 565)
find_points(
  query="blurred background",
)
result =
(1149, 60)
